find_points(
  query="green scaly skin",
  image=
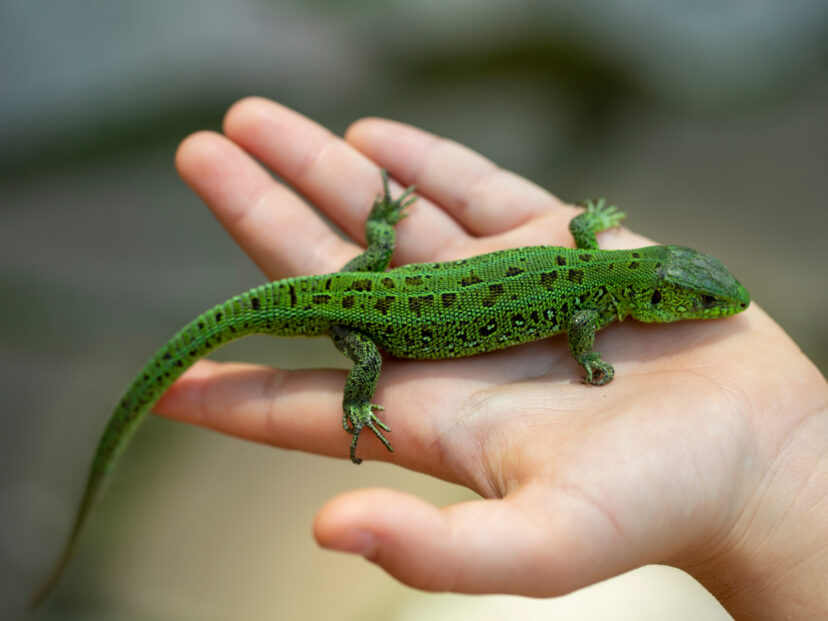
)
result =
(433, 311)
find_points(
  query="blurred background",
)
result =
(707, 122)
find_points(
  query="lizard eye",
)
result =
(656, 297)
(708, 300)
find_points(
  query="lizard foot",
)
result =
(358, 416)
(605, 216)
(598, 372)
(387, 209)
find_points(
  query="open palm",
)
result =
(580, 483)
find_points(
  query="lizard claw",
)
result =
(357, 417)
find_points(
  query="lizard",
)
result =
(433, 311)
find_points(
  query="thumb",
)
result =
(511, 545)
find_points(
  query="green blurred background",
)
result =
(706, 122)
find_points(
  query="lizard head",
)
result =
(691, 285)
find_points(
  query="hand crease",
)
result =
(577, 492)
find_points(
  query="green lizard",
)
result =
(432, 311)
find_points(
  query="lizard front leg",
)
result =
(581, 334)
(357, 409)
(598, 217)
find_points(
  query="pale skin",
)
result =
(708, 451)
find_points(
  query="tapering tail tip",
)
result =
(48, 585)
(42, 592)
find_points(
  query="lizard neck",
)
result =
(632, 276)
(635, 279)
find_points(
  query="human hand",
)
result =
(706, 451)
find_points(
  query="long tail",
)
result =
(265, 309)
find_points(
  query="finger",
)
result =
(333, 175)
(483, 197)
(299, 410)
(289, 409)
(282, 235)
(484, 546)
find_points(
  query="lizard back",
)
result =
(488, 302)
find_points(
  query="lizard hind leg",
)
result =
(379, 230)
(357, 409)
